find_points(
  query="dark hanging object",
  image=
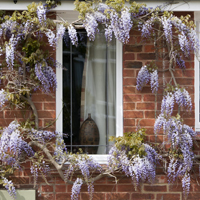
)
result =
(89, 135)
(15, 1)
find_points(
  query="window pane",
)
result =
(89, 89)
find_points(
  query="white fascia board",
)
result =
(22, 5)
(69, 5)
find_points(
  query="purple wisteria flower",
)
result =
(136, 167)
(60, 32)
(42, 136)
(46, 76)
(76, 188)
(41, 13)
(187, 37)
(10, 51)
(9, 187)
(59, 154)
(186, 184)
(11, 142)
(184, 44)
(108, 33)
(100, 17)
(180, 62)
(147, 27)
(154, 81)
(3, 97)
(8, 27)
(167, 26)
(127, 23)
(72, 35)
(102, 7)
(167, 105)
(142, 78)
(90, 24)
(183, 98)
(51, 37)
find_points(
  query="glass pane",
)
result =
(89, 90)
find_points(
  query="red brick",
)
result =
(161, 179)
(132, 64)
(153, 138)
(168, 196)
(63, 196)
(129, 81)
(1, 114)
(145, 106)
(145, 89)
(129, 106)
(129, 128)
(46, 114)
(128, 73)
(46, 196)
(147, 122)
(189, 121)
(38, 106)
(155, 188)
(151, 114)
(20, 180)
(60, 188)
(140, 196)
(128, 89)
(124, 180)
(42, 97)
(133, 114)
(49, 106)
(105, 188)
(185, 81)
(16, 113)
(188, 73)
(132, 40)
(129, 56)
(133, 48)
(146, 56)
(126, 188)
(149, 48)
(117, 196)
(96, 196)
(175, 188)
(148, 97)
(47, 188)
(132, 97)
(129, 122)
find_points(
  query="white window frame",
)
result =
(100, 158)
(197, 80)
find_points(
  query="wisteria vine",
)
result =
(29, 68)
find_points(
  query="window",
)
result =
(197, 78)
(90, 84)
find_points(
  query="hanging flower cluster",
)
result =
(9, 187)
(179, 135)
(135, 158)
(3, 97)
(46, 76)
(12, 145)
(86, 165)
(144, 76)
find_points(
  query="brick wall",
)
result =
(140, 108)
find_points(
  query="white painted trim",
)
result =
(59, 93)
(119, 89)
(102, 159)
(68, 5)
(196, 85)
